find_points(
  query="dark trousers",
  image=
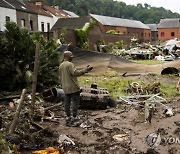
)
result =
(75, 97)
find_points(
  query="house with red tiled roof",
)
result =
(56, 12)
(35, 16)
(25, 17)
(45, 19)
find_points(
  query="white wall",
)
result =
(45, 20)
(6, 12)
(55, 19)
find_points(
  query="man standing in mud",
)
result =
(68, 77)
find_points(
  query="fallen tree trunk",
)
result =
(20, 104)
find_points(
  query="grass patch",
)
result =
(117, 85)
(109, 80)
(169, 90)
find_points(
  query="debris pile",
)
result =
(28, 132)
(167, 51)
(137, 88)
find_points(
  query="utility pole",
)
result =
(35, 73)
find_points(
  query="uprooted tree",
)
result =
(17, 48)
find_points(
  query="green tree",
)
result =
(63, 35)
(17, 59)
(16, 56)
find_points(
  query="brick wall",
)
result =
(144, 35)
(27, 17)
(168, 33)
(96, 34)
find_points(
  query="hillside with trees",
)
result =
(142, 12)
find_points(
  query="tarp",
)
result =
(102, 62)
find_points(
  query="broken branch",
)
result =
(20, 103)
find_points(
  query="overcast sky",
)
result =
(173, 5)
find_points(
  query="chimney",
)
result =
(56, 7)
(39, 3)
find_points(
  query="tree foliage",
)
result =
(17, 50)
(82, 34)
(142, 12)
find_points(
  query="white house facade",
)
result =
(6, 14)
(45, 23)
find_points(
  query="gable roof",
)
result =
(5, 4)
(19, 6)
(119, 22)
(37, 9)
(169, 23)
(72, 14)
(153, 27)
(71, 23)
(56, 12)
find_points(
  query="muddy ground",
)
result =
(103, 125)
(98, 128)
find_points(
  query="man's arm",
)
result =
(75, 72)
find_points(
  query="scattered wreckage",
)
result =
(167, 52)
(90, 97)
(35, 135)
(32, 134)
(147, 98)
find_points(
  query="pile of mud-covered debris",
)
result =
(140, 123)
(27, 132)
(166, 51)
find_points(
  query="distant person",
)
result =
(68, 77)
